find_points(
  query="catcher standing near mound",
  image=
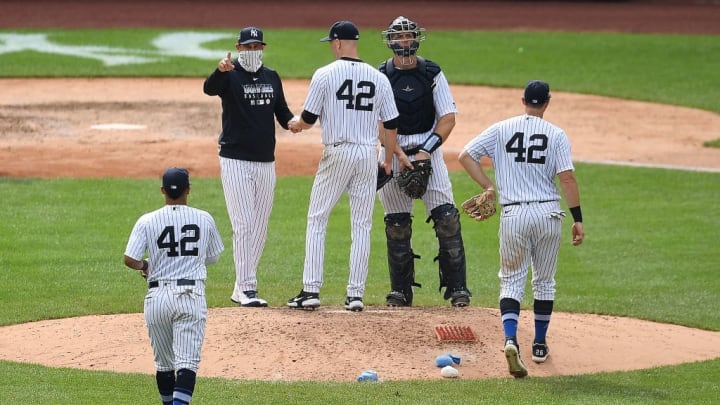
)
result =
(527, 153)
(427, 116)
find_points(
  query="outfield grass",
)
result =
(636, 261)
(673, 69)
(651, 248)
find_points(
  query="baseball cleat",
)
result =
(354, 304)
(512, 355)
(540, 352)
(396, 299)
(460, 298)
(249, 299)
(305, 300)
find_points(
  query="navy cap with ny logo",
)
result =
(249, 35)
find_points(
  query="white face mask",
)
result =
(250, 60)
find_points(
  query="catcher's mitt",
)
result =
(382, 177)
(480, 207)
(414, 182)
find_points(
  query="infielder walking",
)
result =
(252, 95)
(527, 153)
(179, 241)
(427, 116)
(349, 97)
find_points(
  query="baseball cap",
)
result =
(249, 35)
(537, 92)
(342, 30)
(175, 181)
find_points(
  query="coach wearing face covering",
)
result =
(252, 98)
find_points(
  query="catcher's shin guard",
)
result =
(401, 259)
(451, 255)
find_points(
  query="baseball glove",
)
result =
(414, 182)
(480, 207)
(382, 177)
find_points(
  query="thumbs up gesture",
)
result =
(226, 65)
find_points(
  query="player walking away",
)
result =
(527, 153)
(252, 94)
(349, 97)
(179, 242)
(427, 116)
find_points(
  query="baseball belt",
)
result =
(182, 281)
(527, 202)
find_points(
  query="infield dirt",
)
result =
(46, 131)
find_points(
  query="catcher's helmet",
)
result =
(402, 25)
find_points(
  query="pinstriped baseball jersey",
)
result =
(527, 153)
(350, 97)
(178, 238)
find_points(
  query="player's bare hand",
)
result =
(404, 161)
(226, 64)
(294, 125)
(387, 167)
(578, 233)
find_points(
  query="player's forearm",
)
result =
(215, 83)
(569, 187)
(390, 142)
(445, 125)
(134, 264)
(475, 170)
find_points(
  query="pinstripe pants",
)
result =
(175, 318)
(249, 189)
(529, 235)
(346, 167)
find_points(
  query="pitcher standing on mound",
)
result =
(349, 97)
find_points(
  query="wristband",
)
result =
(144, 265)
(576, 214)
(431, 143)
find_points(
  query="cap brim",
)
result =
(251, 41)
(325, 39)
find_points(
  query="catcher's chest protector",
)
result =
(413, 95)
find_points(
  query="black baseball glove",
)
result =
(382, 177)
(413, 182)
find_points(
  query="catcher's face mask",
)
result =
(250, 60)
(403, 36)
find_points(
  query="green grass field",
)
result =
(650, 253)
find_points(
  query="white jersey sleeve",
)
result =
(442, 97)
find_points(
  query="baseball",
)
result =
(449, 372)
